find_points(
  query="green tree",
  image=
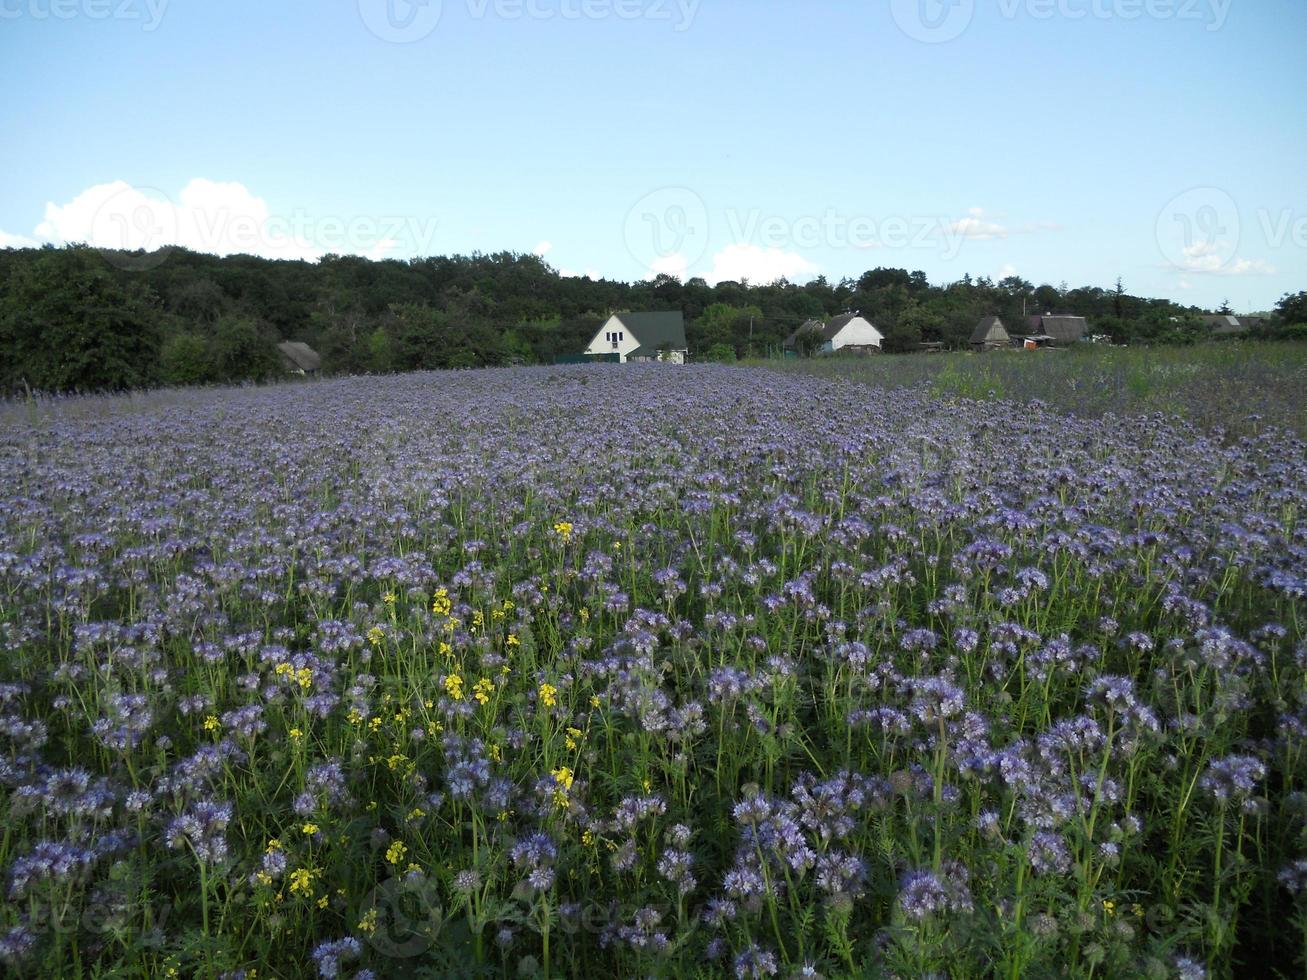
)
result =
(186, 359)
(67, 324)
(243, 349)
(1292, 309)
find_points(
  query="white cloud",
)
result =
(759, 265)
(544, 248)
(670, 265)
(1008, 270)
(218, 217)
(976, 228)
(1216, 258)
(16, 241)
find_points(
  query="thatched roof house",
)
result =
(849, 331)
(299, 358)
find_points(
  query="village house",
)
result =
(990, 334)
(1059, 329)
(299, 358)
(642, 337)
(850, 331)
(1222, 325)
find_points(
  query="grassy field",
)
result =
(661, 672)
(1239, 388)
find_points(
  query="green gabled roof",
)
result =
(656, 331)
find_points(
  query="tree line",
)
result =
(83, 319)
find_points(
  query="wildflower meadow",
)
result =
(647, 672)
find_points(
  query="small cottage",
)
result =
(642, 337)
(1221, 325)
(990, 334)
(848, 332)
(299, 358)
(1061, 329)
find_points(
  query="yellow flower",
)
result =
(309, 829)
(584, 614)
(512, 640)
(417, 813)
(396, 760)
(274, 844)
(301, 881)
(548, 695)
(594, 700)
(395, 853)
(564, 531)
(368, 924)
(296, 734)
(454, 687)
(1138, 910)
(440, 603)
(374, 723)
(388, 598)
(483, 689)
(211, 724)
(588, 838)
(496, 753)
(1109, 906)
(564, 777)
(355, 717)
(304, 677)
(322, 902)
(574, 736)
(263, 878)
(376, 635)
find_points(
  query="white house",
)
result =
(642, 337)
(851, 330)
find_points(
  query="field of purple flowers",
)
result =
(647, 672)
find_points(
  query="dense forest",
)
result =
(83, 319)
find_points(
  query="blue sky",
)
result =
(1164, 141)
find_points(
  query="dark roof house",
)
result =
(990, 334)
(1222, 325)
(1063, 329)
(642, 337)
(848, 331)
(812, 326)
(299, 358)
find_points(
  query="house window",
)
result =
(619, 336)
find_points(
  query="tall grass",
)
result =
(1237, 387)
